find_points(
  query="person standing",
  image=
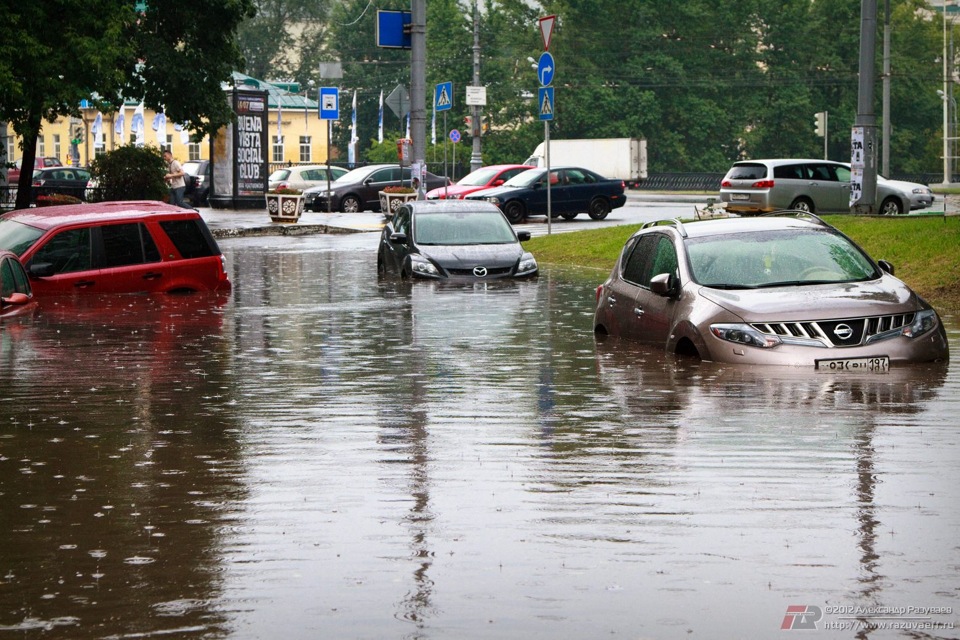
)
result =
(176, 179)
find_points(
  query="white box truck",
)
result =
(623, 158)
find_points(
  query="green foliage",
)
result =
(130, 173)
(706, 82)
(174, 56)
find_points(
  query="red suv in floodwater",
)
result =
(114, 247)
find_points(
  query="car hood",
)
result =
(907, 187)
(494, 191)
(830, 301)
(453, 191)
(489, 255)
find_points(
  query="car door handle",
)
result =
(611, 300)
(638, 311)
(153, 275)
(80, 284)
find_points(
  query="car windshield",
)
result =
(525, 178)
(193, 168)
(787, 257)
(278, 175)
(478, 178)
(461, 228)
(17, 237)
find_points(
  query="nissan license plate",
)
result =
(876, 364)
(739, 196)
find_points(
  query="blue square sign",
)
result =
(329, 103)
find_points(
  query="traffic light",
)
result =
(77, 136)
(820, 123)
(468, 125)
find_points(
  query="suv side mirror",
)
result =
(886, 266)
(42, 270)
(523, 236)
(398, 238)
(664, 284)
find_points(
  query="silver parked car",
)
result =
(782, 290)
(817, 186)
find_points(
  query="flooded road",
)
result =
(323, 456)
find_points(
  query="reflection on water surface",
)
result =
(323, 455)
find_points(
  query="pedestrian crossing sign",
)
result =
(545, 100)
(443, 97)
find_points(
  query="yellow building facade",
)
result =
(296, 134)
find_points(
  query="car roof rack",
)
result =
(797, 213)
(673, 222)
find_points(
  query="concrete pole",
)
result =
(476, 159)
(885, 145)
(866, 116)
(947, 174)
(418, 81)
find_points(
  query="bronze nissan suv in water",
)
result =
(786, 289)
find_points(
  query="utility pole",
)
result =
(865, 128)
(418, 83)
(885, 144)
(476, 159)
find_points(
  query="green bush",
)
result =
(130, 173)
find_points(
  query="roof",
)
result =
(276, 95)
(49, 217)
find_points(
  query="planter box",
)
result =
(284, 208)
(390, 201)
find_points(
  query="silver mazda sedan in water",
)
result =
(783, 289)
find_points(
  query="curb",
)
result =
(281, 230)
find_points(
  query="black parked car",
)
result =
(359, 190)
(197, 180)
(453, 239)
(68, 181)
(573, 190)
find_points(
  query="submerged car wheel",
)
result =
(350, 204)
(599, 208)
(514, 212)
(568, 216)
(803, 204)
(891, 207)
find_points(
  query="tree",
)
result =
(174, 56)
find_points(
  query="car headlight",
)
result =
(744, 334)
(494, 199)
(923, 322)
(527, 264)
(423, 267)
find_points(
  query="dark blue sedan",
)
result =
(573, 190)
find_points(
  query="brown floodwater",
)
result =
(319, 455)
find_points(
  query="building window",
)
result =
(56, 146)
(305, 149)
(277, 150)
(169, 144)
(41, 146)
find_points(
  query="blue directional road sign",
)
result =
(443, 97)
(329, 103)
(545, 99)
(546, 68)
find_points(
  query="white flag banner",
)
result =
(160, 126)
(119, 124)
(137, 125)
(97, 130)
(380, 120)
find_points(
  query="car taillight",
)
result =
(38, 183)
(762, 184)
(283, 185)
(199, 180)
(599, 292)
